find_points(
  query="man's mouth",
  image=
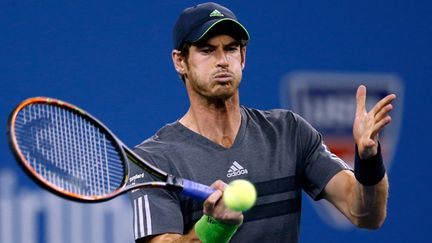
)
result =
(223, 77)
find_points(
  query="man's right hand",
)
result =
(216, 208)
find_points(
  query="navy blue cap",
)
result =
(196, 22)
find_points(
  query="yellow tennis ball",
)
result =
(240, 195)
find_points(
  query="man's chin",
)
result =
(223, 94)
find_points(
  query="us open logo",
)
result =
(327, 101)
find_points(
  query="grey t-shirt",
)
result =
(277, 150)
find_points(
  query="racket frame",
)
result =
(167, 181)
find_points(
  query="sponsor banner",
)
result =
(29, 215)
(328, 102)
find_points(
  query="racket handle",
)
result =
(196, 190)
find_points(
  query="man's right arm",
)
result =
(174, 238)
(213, 207)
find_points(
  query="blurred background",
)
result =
(113, 59)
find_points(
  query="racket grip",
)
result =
(196, 190)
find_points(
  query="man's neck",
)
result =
(217, 121)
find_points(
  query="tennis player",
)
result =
(219, 140)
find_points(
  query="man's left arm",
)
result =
(364, 206)
(362, 195)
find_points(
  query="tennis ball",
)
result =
(240, 195)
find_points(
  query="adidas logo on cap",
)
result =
(216, 13)
(236, 169)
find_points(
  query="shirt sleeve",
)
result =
(318, 164)
(155, 211)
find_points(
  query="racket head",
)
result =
(66, 150)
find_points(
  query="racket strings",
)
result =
(68, 151)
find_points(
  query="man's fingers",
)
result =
(383, 103)
(211, 201)
(361, 99)
(219, 185)
(384, 112)
(215, 207)
(380, 125)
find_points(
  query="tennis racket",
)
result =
(70, 153)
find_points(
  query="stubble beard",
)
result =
(218, 92)
(214, 91)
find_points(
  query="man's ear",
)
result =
(178, 61)
(243, 57)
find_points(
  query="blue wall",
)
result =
(112, 58)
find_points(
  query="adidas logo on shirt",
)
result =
(236, 169)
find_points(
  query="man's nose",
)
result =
(222, 58)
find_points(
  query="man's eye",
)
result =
(205, 50)
(232, 49)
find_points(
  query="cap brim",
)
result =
(233, 28)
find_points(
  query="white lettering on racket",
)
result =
(136, 177)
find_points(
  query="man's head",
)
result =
(198, 24)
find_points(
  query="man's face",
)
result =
(214, 68)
